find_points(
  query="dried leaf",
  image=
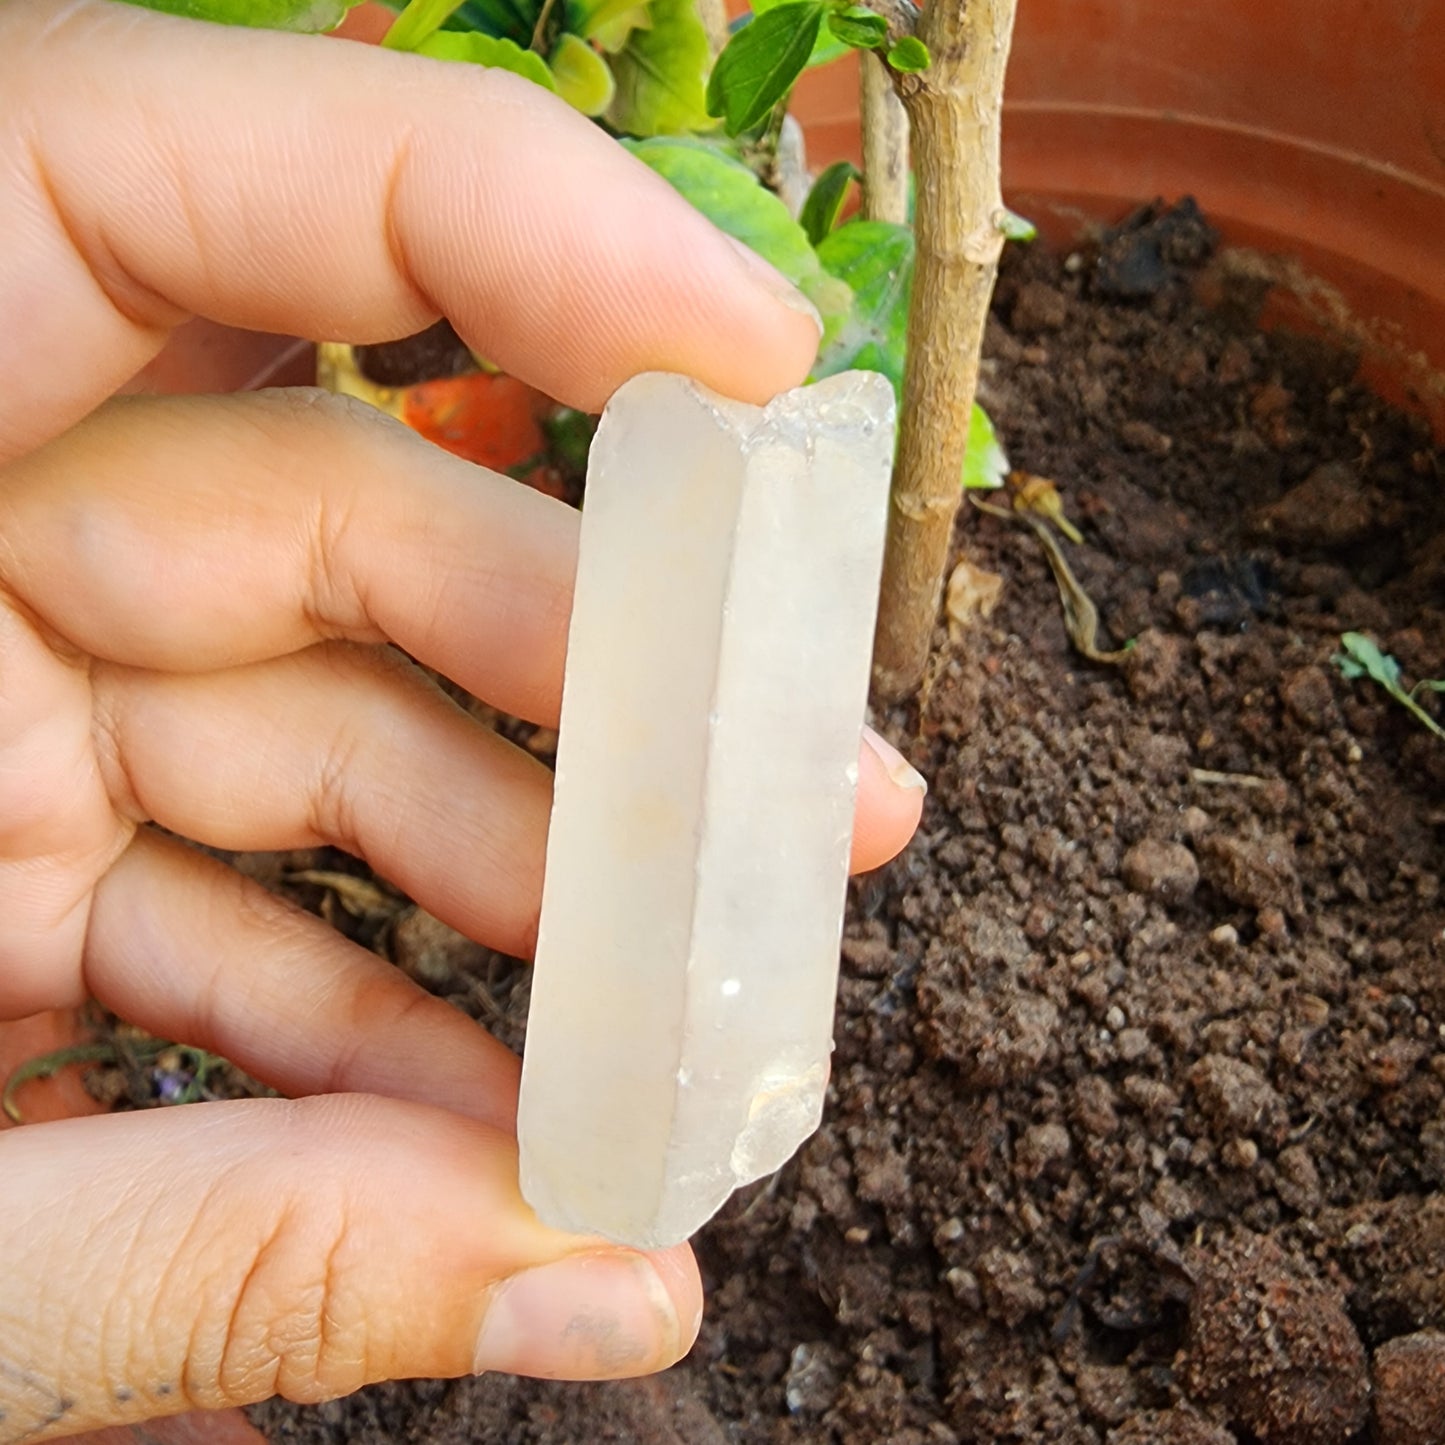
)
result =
(1081, 617)
(972, 593)
(360, 897)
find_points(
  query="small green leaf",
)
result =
(420, 19)
(985, 463)
(609, 22)
(875, 258)
(760, 64)
(826, 48)
(477, 49)
(1014, 227)
(661, 73)
(1362, 657)
(735, 201)
(307, 15)
(505, 19)
(582, 76)
(825, 200)
(910, 55)
(859, 28)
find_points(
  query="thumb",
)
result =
(202, 1258)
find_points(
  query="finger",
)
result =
(58, 831)
(353, 747)
(341, 745)
(349, 193)
(890, 803)
(189, 950)
(200, 1258)
(203, 532)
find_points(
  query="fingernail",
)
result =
(903, 773)
(774, 282)
(587, 1317)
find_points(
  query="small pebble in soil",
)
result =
(814, 1374)
(1410, 1389)
(1308, 694)
(1164, 870)
(1271, 1347)
(1240, 1154)
(1237, 1099)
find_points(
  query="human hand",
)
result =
(204, 604)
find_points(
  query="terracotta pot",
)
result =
(1313, 132)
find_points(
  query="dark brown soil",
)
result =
(1138, 1106)
(430, 355)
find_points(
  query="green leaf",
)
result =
(419, 20)
(910, 55)
(859, 28)
(487, 50)
(505, 19)
(826, 48)
(825, 200)
(985, 463)
(1362, 658)
(661, 73)
(1014, 227)
(307, 15)
(875, 258)
(582, 77)
(609, 22)
(735, 201)
(760, 64)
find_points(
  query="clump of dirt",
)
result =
(430, 355)
(1138, 1108)
(1270, 1345)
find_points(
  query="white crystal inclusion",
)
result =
(717, 670)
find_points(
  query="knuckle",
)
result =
(334, 811)
(294, 1324)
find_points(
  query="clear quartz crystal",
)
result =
(717, 670)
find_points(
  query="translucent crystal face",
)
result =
(717, 669)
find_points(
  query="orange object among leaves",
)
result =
(487, 417)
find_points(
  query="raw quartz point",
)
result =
(717, 670)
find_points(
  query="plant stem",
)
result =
(43, 1067)
(885, 142)
(954, 108)
(539, 30)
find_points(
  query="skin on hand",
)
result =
(204, 609)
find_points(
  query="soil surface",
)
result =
(1137, 1117)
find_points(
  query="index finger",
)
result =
(153, 168)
